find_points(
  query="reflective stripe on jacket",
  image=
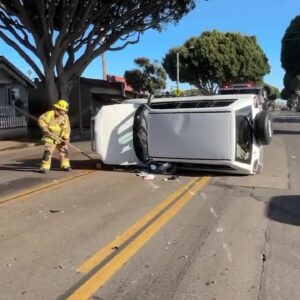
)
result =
(59, 126)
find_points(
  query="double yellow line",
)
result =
(141, 232)
(44, 187)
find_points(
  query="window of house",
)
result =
(11, 96)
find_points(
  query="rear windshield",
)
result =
(192, 104)
(240, 91)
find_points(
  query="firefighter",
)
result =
(56, 130)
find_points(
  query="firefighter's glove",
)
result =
(66, 142)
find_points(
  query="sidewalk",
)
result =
(24, 142)
(16, 144)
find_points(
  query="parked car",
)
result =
(224, 133)
(246, 88)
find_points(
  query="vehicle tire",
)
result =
(263, 128)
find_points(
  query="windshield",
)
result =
(244, 135)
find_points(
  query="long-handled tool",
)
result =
(69, 144)
(52, 135)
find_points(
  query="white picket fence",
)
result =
(8, 118)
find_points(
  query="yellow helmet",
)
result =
(62, 105)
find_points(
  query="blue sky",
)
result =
(266, 19)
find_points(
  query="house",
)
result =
(128, 89)
(14, 86)
(87, 96)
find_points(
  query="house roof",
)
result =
(116, 88)
(101, 83)
(15, 72)
(115, 78)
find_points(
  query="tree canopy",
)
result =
(147, 77)
(272, 92)
(214, 58)
(59, 38)
(290, 60)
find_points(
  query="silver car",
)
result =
(224, 133)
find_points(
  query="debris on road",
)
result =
(213, 212)
(54, 211)
(154, 186)
(209, 283)
(173, 177)
(146, 175)
(219, 229)
(167, 245)
(229, 255)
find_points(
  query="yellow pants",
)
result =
(48, 152)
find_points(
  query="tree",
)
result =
(214, 58)
(290, 50)
(285, 94)
(291, 90)
(59, 38)
(272, 92)
(290, 60)
(147, 77)
(192, 92)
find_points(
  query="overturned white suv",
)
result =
(223, 133)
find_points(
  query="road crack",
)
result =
(264, 258)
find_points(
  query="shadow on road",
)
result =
(32, 165)
(284, 209)
(177, 173)
(286, 120)
(291, 132)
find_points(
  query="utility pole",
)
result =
(177, 75)
(80, 108)
(104, 68)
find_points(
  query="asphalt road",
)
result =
(112, 235)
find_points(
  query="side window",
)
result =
(244, 135)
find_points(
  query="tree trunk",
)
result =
(57, 88)
(51, 88)
(64, 87)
